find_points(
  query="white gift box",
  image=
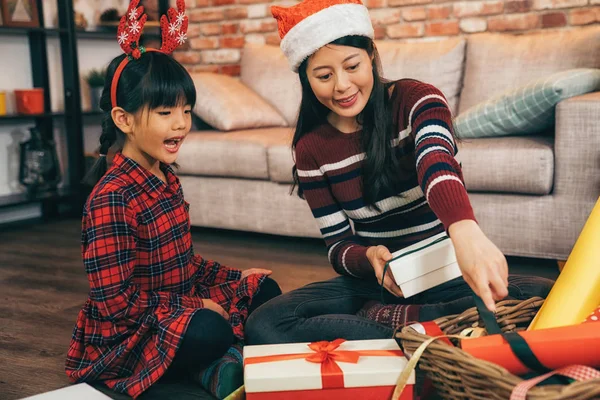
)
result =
(424, 265)
(73, 392)
(282, 371)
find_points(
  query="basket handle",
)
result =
(518, 345)
(577, 372)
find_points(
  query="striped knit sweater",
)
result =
(431, 198)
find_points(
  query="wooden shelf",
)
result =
(17, 31)
(26, 198)
(28, 117)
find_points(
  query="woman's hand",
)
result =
(211, 305)
(482, 264)
(378, 256)
(259, 271)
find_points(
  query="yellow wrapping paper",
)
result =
(576, 292)
(239, 394)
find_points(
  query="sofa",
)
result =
(531, 193)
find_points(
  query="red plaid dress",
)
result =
(145, 281)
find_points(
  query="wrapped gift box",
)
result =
(424, 265)
(73, 392)
(361, 369)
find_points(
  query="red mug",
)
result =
(30, 101)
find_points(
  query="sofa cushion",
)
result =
(526, 109)
(266, 71)
(523, 165)
(240, 154)
(227, 104)
(439, 63)
(497, 62)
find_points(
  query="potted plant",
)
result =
(95, 79)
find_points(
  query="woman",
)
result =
(381, 154)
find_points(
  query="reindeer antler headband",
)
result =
(173, 31)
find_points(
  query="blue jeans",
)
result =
(327, 310)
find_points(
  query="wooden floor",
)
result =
(43, 286)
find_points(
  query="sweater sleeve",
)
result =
(346, 253)
(439, 173)
(109, 254)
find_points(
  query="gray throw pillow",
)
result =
(527, 109)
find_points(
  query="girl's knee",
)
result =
(270, 287)
(208, 329)
(206, 339)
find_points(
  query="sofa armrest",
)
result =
(577, 148)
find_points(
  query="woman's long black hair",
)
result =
(380, 169)
(154, 80)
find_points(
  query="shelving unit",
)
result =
(72, 116)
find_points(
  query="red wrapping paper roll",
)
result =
(554, 347)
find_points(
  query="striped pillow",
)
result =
(527, 109)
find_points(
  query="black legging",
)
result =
(209, 335)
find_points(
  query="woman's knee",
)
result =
(264, 324)
(524, 287)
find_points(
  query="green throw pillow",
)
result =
(527, 109)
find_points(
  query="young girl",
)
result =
(153, 304)
(381, 154)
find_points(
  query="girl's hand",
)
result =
(258, 271)
(211, 305)
(378, 256)
(482, 264)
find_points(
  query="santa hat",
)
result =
(311, 24)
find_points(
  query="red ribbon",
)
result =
(325, 353)
(433, 329)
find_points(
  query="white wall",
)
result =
(15, 73)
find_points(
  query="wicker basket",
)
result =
(458, 375)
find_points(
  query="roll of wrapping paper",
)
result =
(576, 292)
(553, 347)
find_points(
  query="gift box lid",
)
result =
(422, 258)
(300, 374)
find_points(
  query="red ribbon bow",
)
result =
(325, 353)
